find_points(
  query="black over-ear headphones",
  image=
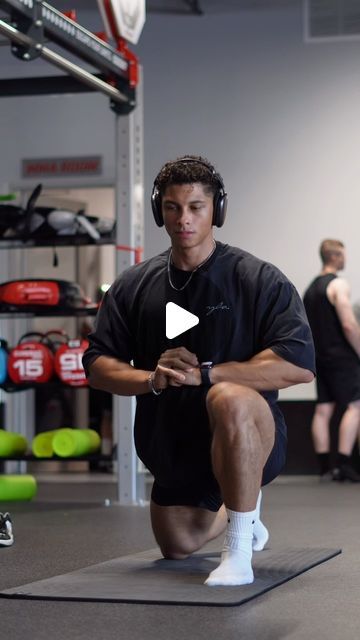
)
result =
(220, 196)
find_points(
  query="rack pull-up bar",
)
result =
(74, 70)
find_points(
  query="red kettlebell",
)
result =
(31, 360)
(68, 363)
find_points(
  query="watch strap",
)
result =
(205, 368)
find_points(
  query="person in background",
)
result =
(336, 335)
(207, 426)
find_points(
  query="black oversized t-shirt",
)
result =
(244, 305)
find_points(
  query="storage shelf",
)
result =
(39, 311)
(58, 241)
(31, 458)
(11, 387)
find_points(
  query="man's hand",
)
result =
(177, 367)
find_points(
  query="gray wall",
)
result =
(279, 119)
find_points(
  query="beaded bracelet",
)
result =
(156, 392)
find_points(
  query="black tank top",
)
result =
(331, 345)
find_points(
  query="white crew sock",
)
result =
(235, 566)
(261, 534)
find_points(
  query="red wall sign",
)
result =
(55, 167)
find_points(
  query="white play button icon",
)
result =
(178, 320)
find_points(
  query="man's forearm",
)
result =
(120, 378)
(264, 372)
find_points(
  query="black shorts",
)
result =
(209, 496)
(339, 384)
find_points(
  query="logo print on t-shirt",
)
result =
(219, 307)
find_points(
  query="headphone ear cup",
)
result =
(220, 206)
(156, 206)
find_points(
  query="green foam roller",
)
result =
(12, 444)
(5, 197)
(70, 443)
(42, 444)
(17, 487)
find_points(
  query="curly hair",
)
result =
(188, 170)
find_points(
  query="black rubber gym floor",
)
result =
(63, 531)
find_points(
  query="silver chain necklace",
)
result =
(191, 274)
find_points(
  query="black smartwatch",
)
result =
(205, 368)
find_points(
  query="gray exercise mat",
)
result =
(149, 579)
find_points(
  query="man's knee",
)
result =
(238, 413)
(232, 400)
(180, 544)
(179, 530)
(176, 552)
(354, 406)
(324, 409)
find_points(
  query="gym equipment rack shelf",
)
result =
(54, 383)
(59, 241)
(89, 458)
(30, 312)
